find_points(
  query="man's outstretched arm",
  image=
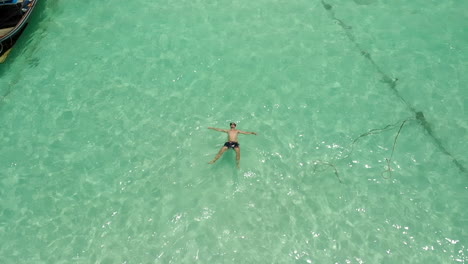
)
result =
(218, 129)
(247, 133)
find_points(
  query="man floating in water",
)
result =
(232, 141)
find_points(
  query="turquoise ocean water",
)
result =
(359, 107)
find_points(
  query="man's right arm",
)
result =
(217, 129)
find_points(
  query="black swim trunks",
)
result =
(231, 144)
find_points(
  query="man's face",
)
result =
(233, 125)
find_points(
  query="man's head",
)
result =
(232, 125)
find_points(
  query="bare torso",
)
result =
(232, 135)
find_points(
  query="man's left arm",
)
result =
(247, 133)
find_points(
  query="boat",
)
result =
(14, 17)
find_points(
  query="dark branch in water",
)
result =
(319, 162)
(391, 83)
(389, 168)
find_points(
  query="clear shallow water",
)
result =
(105, 147)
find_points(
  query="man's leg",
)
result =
(237, 156)
(221, 151)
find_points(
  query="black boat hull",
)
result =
(14, 19)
